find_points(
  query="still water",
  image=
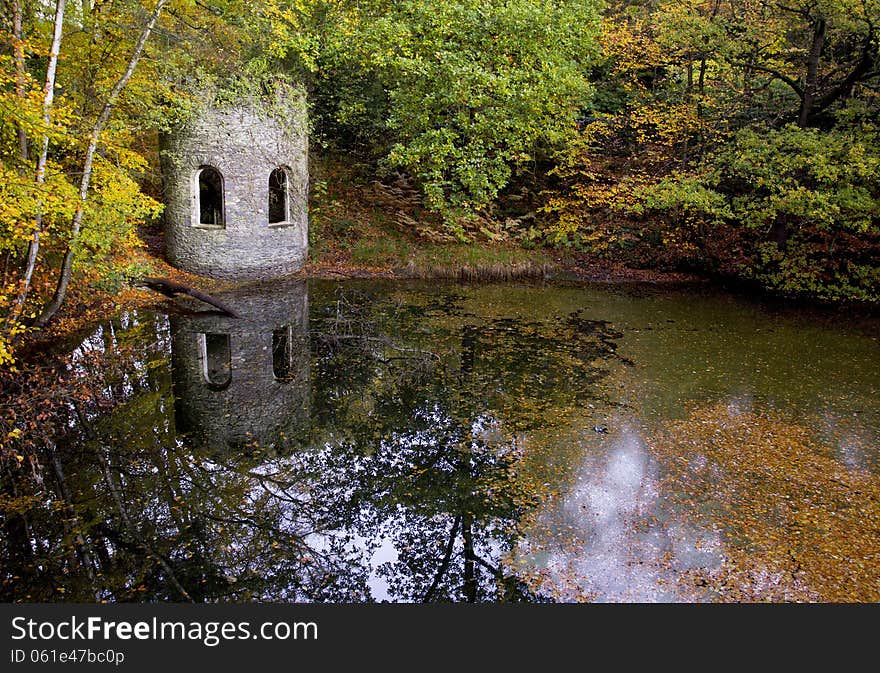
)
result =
(378, 441)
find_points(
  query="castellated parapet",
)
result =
(236, 189)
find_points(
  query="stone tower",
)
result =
(236, 189)
(244, 382)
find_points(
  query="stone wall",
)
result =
(245, 142)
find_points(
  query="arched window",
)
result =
(209, 208)
(215, 354)
(279, 199)
(282, 354)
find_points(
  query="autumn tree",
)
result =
(83, 91)
(820, 50)
(733, 137)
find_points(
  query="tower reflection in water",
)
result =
(243, 382)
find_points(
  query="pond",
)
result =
(413, 442)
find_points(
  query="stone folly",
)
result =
(236, 189)
(244, 383)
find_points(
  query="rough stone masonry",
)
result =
(245, 142)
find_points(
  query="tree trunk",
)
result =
(470, 577)
(131, 528)
(444, 564)
(811, 83)
(72, 524)
(20, 78)
(40, 178)
(171, 288)
(701, 90)
(67, 263)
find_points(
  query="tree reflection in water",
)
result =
(397, 475)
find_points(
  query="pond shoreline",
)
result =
(86, 307)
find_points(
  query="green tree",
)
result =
(805, 204)
(820, 50)
(457, 94)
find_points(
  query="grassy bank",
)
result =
(361, 227)
(397, 256)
